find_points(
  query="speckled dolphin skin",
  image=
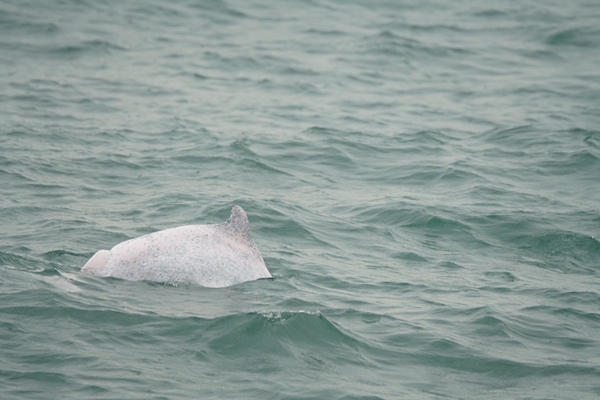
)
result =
(215, 256)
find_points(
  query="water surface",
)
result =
(422, 179)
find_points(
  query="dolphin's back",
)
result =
(211, 255)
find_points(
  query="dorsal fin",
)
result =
(238, 216)
(238, 225)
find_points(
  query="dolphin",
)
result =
(216, 255)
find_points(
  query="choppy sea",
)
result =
(421, 177)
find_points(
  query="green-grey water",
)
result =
(422, 179)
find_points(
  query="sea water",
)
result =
(421, 177)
